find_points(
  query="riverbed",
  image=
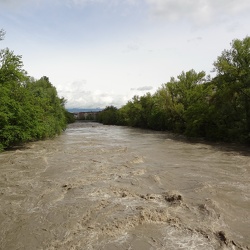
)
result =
(110, 187)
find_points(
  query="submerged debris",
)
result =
(172, 198)
(222, 237)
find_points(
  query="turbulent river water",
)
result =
(108, 187)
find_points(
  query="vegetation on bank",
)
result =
(29, 109)
(195, 104)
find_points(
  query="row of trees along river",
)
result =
(29, 109)
(193, 104)
(197, 105)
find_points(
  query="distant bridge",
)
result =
(86, 115)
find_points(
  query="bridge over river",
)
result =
(87, 115)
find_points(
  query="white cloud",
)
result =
(79, 95)
(93, 99)
(200, 12)
(132, 47)
(144, 88)
(195, 39)
(81, 2)
(18, 3)
(69, 3)
(106, 2)
(99, 57)
(196, 10)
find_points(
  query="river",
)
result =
(109, 187)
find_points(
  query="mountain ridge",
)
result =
(77, 110)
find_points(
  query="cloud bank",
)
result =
(109, 42)
(198, 11)
(144, 88)
(78, 95)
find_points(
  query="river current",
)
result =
(108, 187)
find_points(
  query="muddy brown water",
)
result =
(107, 187)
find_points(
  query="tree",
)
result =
(29, 109)
(50, 111)
(199, 113)
(182, 94)
(12, 99)
(196, 105)
(136, 113)
(108, 116)
(69, 117)
(160, 118)
(233, 90)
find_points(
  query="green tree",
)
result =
(50, 111)
(12, 99)
(161, 117)
(199, 113)
(182, 93)
(232, 83)
(29, 109)
(108, 116)
(69, 117)
(195, 105)
(135, 112)
(138, 111)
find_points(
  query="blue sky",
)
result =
(103, 52)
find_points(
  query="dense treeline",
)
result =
(29, 109)
(196, 105)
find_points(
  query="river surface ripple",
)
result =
(108, 187)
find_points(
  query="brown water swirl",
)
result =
(107, 187)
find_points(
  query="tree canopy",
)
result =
(197, 105)
(29, 109)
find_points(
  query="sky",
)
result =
(103, 52)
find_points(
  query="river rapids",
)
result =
(107, 187)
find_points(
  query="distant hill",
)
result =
(77, 110)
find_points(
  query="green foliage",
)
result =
(182, 93)
(195, 105)
(232, 99)
(108, 116)
(69, 117)
(29, 109)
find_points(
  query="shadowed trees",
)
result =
(232, 98)
(108, 116)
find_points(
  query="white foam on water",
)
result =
(176, 239)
